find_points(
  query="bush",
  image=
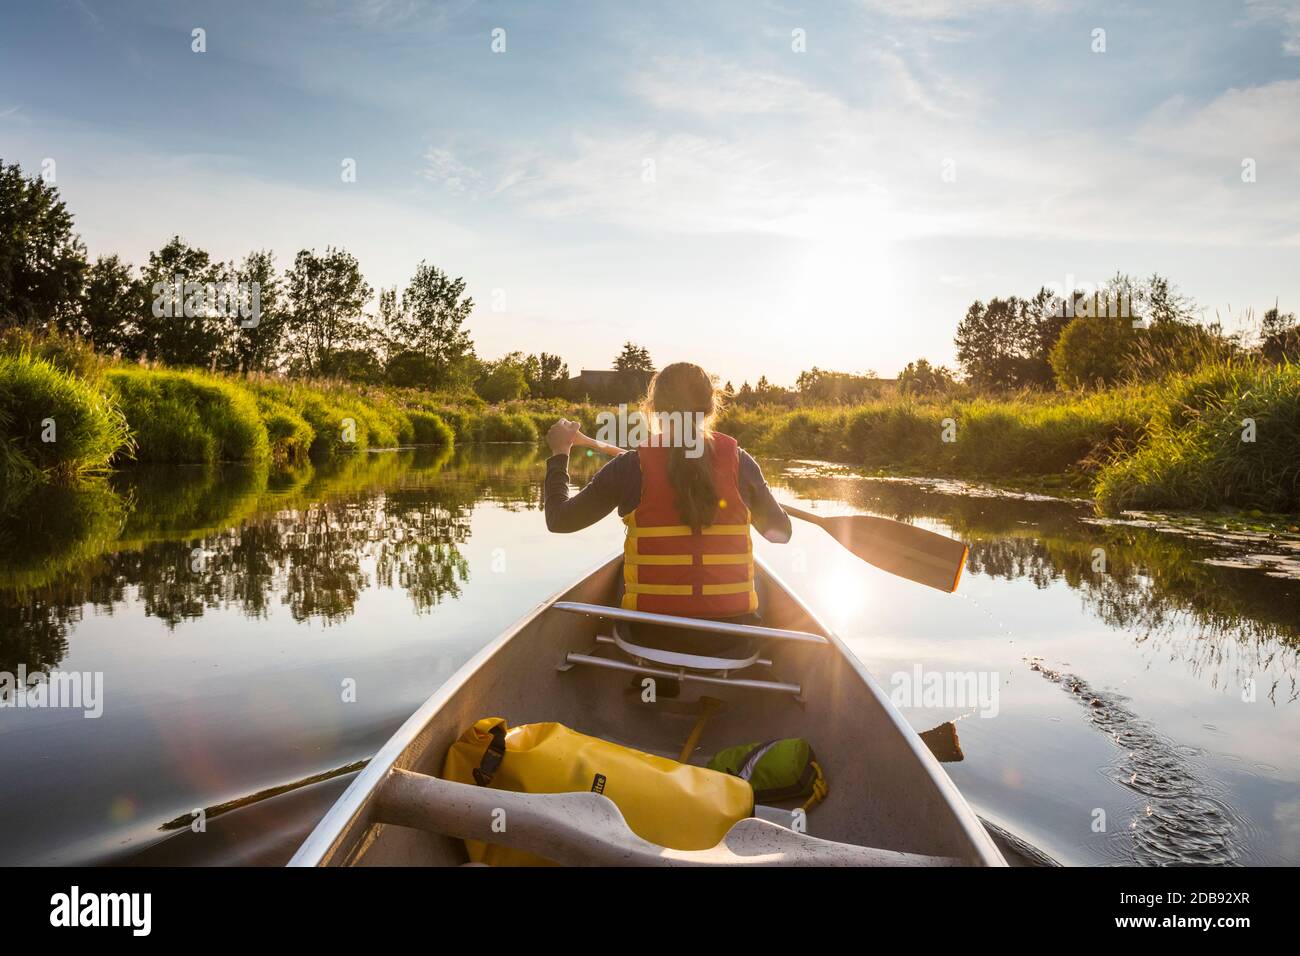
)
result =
(430, 429)
(505, 426)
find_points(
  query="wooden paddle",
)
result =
(902, 549)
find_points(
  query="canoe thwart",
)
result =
(690, 623)
(587, 829)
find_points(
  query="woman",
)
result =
(688, 501)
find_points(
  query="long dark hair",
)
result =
(687, 389)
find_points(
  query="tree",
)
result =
(1133, 329)
(326, 295)
(1093, 351)
(1161, 301)
(182, 321)
(42, 262)
(818, 386)
(634, 371)
(503, 380)
(1279, 336)
(990, 343)
(112, 302)
(922, 378)
(258, 338)
(547, 375)
(427, 329)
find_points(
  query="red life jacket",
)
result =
(668, 568)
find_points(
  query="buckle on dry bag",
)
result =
(492, 757)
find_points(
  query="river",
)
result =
(259, 633)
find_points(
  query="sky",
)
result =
(758, 187)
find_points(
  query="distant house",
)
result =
(607, 385)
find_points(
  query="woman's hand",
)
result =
(561, 436)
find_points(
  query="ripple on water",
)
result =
(1183, 821)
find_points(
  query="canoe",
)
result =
(570, 661)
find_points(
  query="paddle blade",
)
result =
(943, 743)
(902, 549)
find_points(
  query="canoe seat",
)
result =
(689, 623)
(685, 648)
(696, 650)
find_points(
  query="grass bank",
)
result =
(64, 417)
(1227, 435)
(55, 427)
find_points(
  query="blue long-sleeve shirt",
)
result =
(618, 485)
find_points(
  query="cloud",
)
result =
(753, 151)
(960, 9)
(1287, 12)
(443, 168)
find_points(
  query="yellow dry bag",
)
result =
(671, 804)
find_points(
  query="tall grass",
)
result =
(54, 427)
(985, 438)
(188, 417)
(1183, 443)
(1228, 435)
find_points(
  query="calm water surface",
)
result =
(259, 633)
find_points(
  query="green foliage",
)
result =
(503, 380)
(1227, 436)
(505, 426)
(189, 417)
(181, 324)
(1093, 352)
(920, 378)
(1032, 436)
(290, 434)
(111, 307)
(547, 375)
(634, 369)
(55, 427)
(820, 387)
(258, 340)
(430, 429)
(68, 353)
(1279, 337)
(1102, 351)
(1005, 344)
(42, 261)
(325, 297)
(428, 328)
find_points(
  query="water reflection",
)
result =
(181, 541)
(1150, 581)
